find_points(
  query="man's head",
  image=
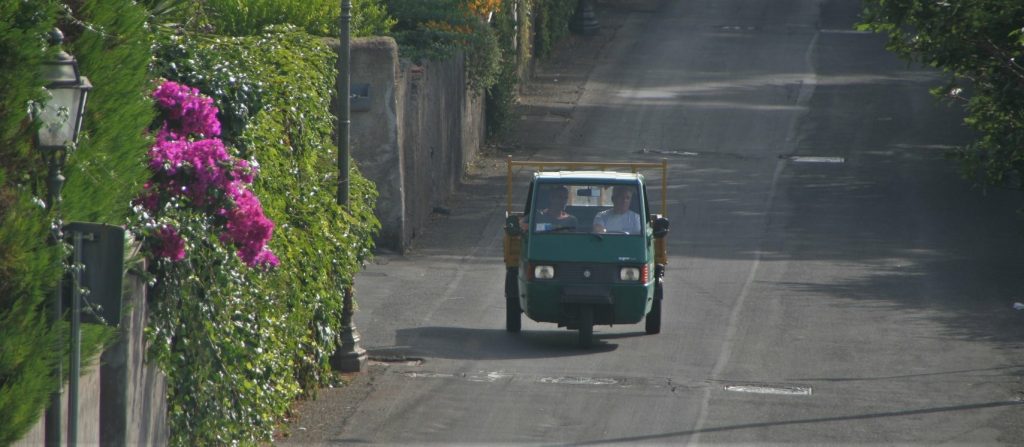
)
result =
(622, 195)
(558, 197)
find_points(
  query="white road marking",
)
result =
(816, 159)
(807, 88)
(771, 389)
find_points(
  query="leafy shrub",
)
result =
(552, 23)
(501, 95)
(239, 344)
(436, 29)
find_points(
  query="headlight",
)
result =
(543, 272)
(629, 274)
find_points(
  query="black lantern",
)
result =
(60, 118)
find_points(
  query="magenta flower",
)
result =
(188, 163)
(189, 111)
(170, 244)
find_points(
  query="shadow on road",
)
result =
(492, 344)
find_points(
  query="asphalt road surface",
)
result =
(832, 279)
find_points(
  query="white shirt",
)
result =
(628, 221)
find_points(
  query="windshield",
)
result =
(587, 208)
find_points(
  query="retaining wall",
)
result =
(412, 134)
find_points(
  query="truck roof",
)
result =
(617, 177)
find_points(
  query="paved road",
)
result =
(831, 280)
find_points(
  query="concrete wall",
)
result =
(134, 393)
(421, 128)
(88, 412)
(122, 400)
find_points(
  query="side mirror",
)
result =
(512, 225)
(660, 226)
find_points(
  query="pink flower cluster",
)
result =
(187, 112)
(187, 163)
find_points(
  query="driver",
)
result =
(619, 218)
(554, 214)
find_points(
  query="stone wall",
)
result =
(412, 134)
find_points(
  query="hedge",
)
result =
(240, 344)
(251, 17)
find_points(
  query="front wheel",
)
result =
(513, 314)
(586, 326)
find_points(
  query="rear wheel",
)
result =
(513, 314)
(586, 326)
(652, 324)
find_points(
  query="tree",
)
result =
(980, 43)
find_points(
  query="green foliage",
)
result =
(250, 17)
(28, 266)
(239, 344)
(436, 29)
(108, 168)
(552, 23)
(27, 335)
(981, 45)
(501, 96)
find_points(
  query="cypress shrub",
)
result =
(108, 168)
(28, 266)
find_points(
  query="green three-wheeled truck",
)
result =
(587, 248)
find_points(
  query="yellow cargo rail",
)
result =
(583, 165)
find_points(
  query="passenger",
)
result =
(619, 218)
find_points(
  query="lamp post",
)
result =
(60, 120)
(349, 356)
(584, 21)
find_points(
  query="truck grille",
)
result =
(589, 273)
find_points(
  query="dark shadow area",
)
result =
(1002, 370)
(492, 344)
(886, 414)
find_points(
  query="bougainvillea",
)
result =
(191, 167)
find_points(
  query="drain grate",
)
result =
(395, 360)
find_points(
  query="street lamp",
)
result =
(60, 117)
(60, 120)
(348, 356)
